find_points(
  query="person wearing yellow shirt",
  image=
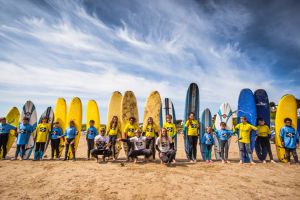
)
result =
(244, 138)
(42, 131)
(262, 139)
(150, 131)
(171, 132)
(129, 132)
(113, 131)
(192, 128)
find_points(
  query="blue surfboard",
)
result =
(247, 108)
(262, 111)
(205, 122)
(191, 105)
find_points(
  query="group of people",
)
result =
(147, 141)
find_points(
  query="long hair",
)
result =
(148, 121)
(112, 123)
(161, 136)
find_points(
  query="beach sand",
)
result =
(88, 180)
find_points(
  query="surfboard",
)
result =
(92, 113)
(167, 108)
(206, 120)
(191, 105)
(50, 115)
(75, 114)
(60, 115)
(129, 109)
(287, 107)
(12, 118)
(114, 109)
(247, 108)
(152, 109)
(30, 112)
(263, 111)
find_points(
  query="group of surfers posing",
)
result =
(147, 141)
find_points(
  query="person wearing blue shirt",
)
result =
(24, 132)
(55, 136)
(91, 133)
(70, 134)
(4, 135)
(289, 138)
(223, 135)
(208, 140)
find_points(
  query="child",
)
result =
(244, 138)
(223, 135)
(150, 131)
(4, 135)
(113, 131)
(139, 143)
(24, 132)
(70, 133)
(102, 142)
(208, 140)
(192, 128)
(129, 132)
(163, 146)
(42, 131)
(263, 135)
(90, 136)
(55, 136)
(289, 138)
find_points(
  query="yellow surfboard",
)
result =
(287, 107)
(129, 109)
(75, 114)
(114, 109)
(152, 109)
(12, 118)
(60, 115)
(92, 113)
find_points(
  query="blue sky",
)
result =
(51, 49)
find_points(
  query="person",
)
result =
(223, 135)
(289, 139)
(208, 140)
(4, 136)
(263, 140)
(171, 131)
(24, 132)
(55, 136)
(102, 146)
(150, 131)
(70, 134)
(139, 143)
(164, 148)
(91, 133)
(129, 132)
(42, 131)
(244, 139)
(114, 129)
(192, 128)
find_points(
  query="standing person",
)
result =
(171, 130)
(164, 148)
(102, 146)
(113, 131)
(263, 139)
(289, 139)
(192, 128)
(91, 133)
(223, 135)
(70, 133)
(150, 131)
(244, 138)
(24, 132)
(4, 135)
(129, 132)
(55, 136)
(42, 131)
(208, 140)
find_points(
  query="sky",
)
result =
(51, 49)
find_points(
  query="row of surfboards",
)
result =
(251, 105)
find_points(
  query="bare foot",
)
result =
(272, 161)
(264, 162)
(223, 161)
(228, 161)
(241, 162)
(252, 163)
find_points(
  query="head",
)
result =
(56, 124)
(102, 131)
(132, 120)
(243, 119)
(288, 121)
(150, 120)
(92, 123)
(115, 119)
(44, 120)
(169, 118)
(192, 116)
(3, 120)
(72, 123)
(261, 121)
(163, 132)
(138, 133)
(208, 129)
(25, 120)
(223, 125)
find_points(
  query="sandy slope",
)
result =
(88, 180)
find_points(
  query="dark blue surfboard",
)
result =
(247, 108)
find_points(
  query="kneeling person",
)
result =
(163, 146)
(102, 146)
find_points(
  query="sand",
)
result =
(88, 180)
